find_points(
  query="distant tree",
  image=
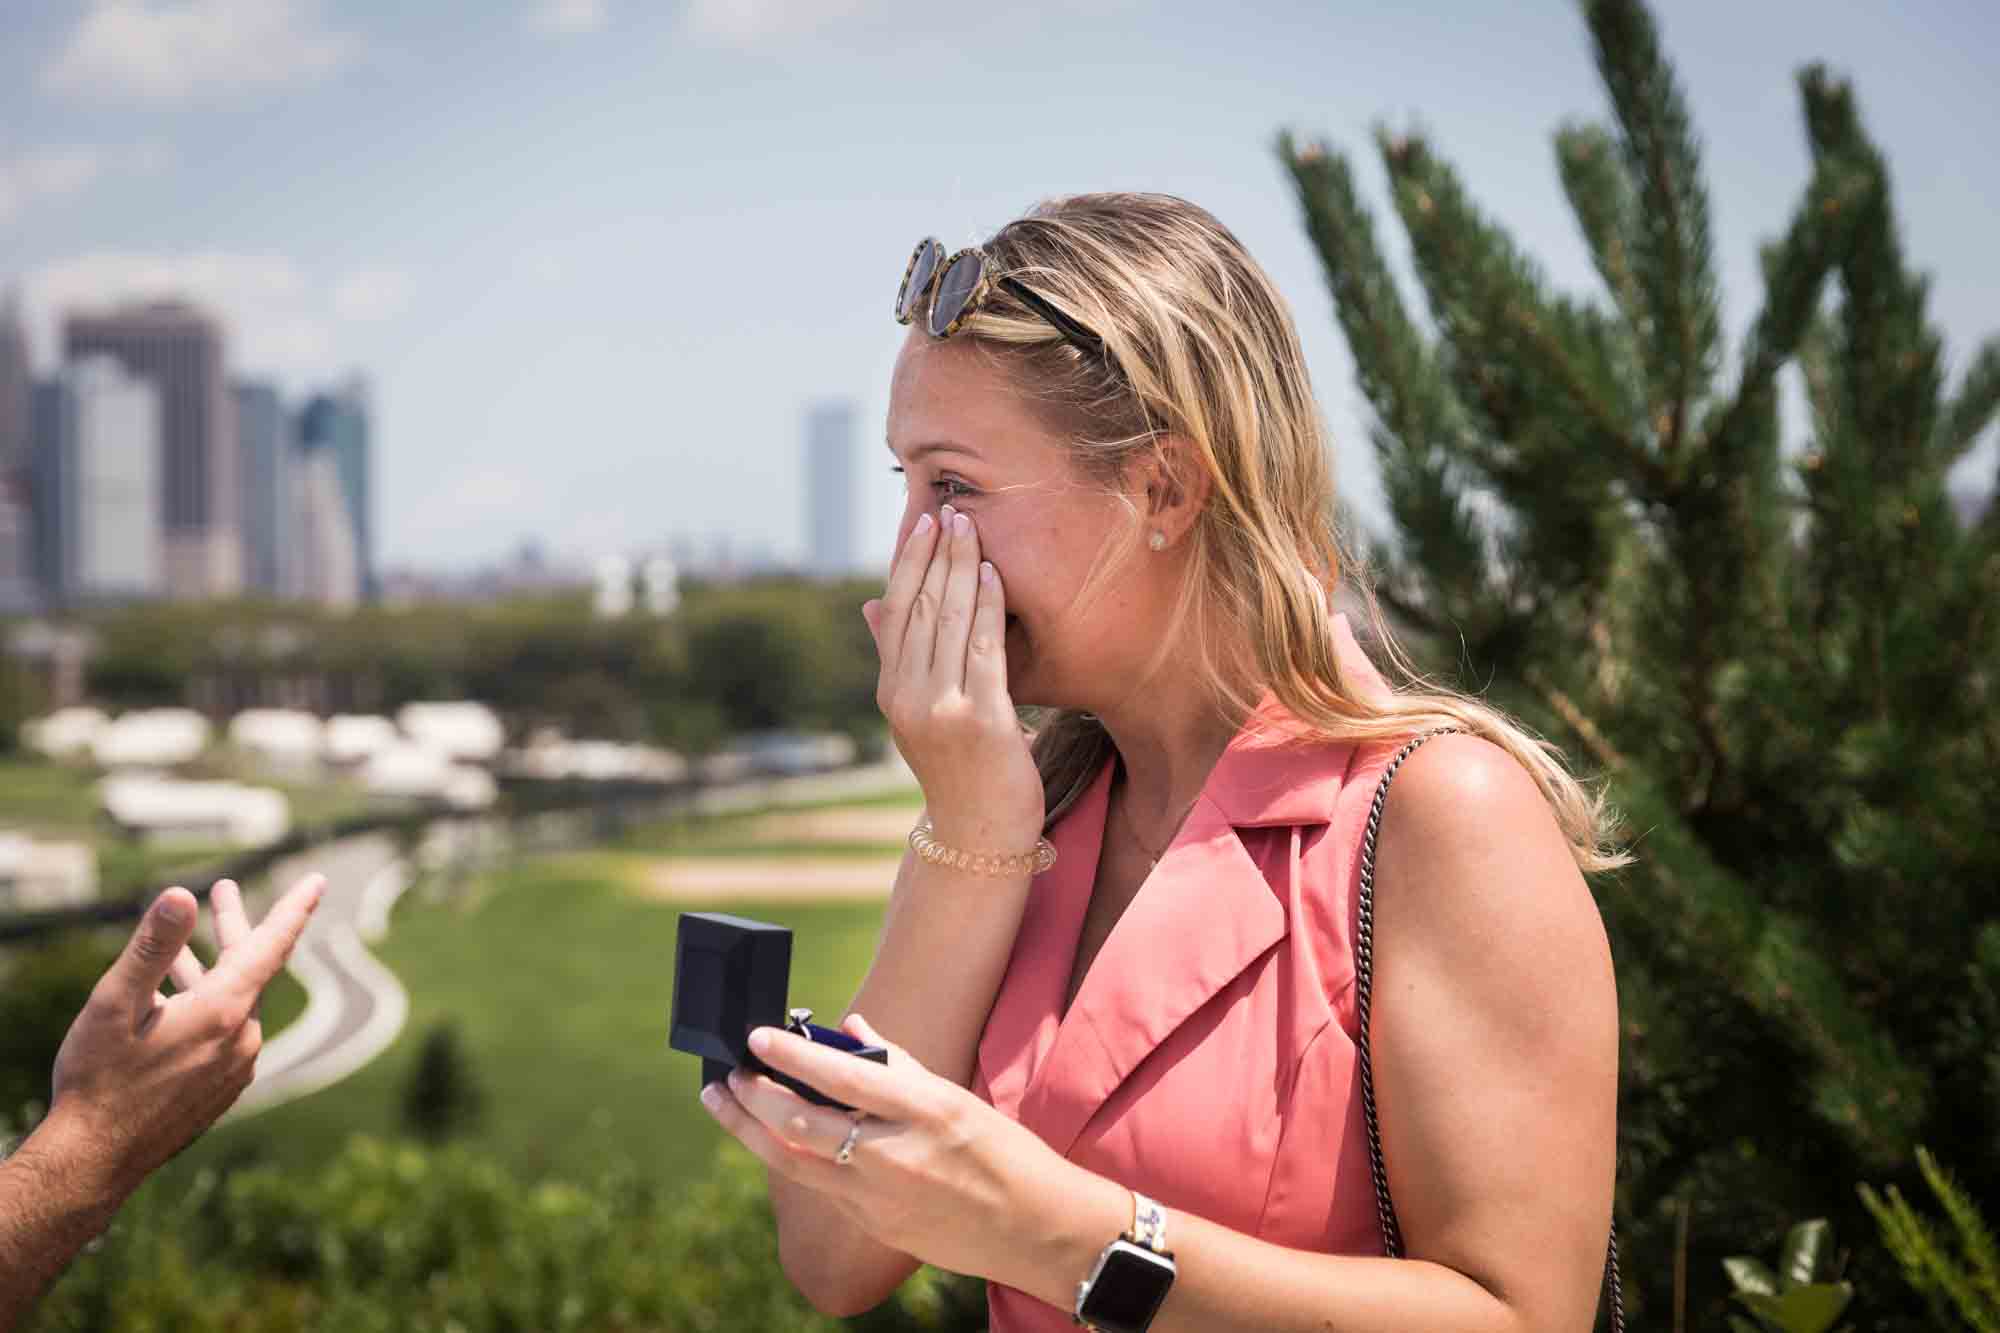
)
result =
(443, 1098)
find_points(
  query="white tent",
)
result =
(470, 732)
(350, 738)
(151, 738)
(37, 876)
(282, 737)
(421, 772)
(65, 733)
(552, 757)
(164, 809)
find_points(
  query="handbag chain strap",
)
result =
(1364, 966)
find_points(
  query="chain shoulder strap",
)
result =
(1364, 968)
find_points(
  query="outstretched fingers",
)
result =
(254, 962)
(225, 905)
(153, 949)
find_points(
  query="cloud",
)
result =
(564, 17)
(278, 320)
(751, 22)
(162, 51)
(371, 294)
(45, 173)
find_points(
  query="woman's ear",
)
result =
(1177, 486)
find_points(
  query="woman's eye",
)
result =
(951, 488)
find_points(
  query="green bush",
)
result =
(1803, 1295)
(403, 1237)
(45, 988)
(1962, 1289)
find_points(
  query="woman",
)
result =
(1119, 510)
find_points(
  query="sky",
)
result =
(598, 257)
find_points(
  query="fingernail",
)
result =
(711, 1097)
(986, 574)
(960, 524)
(923, 525)
(760, 1041)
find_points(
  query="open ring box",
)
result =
(730, 975)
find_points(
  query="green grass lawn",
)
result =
(559, 980)
(54, 800)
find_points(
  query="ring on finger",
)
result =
(846, 1152)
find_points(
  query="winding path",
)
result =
(355, 1007)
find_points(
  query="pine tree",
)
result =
(443, 1098)
(1781, 662)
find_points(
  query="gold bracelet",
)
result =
(933, 852)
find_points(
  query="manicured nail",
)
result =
(711, 1097)
(961, 524)
(986, 574)
(923, 525)
(760, 1041)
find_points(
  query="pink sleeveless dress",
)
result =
(1209, 1057)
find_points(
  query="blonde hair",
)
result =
(1199, 345)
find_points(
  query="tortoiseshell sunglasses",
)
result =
(958, 286)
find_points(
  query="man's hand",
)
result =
(141, 1074)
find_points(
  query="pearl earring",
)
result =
(1158, 541)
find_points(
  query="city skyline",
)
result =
(593, 312)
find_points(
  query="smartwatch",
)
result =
(1131, 1276)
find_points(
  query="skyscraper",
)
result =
(96, 481)
(19, 586)
(831, 492)
(264, 440)
(15, 387)
(17, 551)
(338, 422)
(325, 565)
(179, 350)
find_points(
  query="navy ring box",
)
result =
(730, 975)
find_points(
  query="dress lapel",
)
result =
(1022, 1026)
(1206, 913)
(1203, 915)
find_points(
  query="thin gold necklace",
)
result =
(1132, 832)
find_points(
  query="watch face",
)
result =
(1128, 1292)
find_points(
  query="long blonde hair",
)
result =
(1199, 345)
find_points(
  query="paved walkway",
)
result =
(355, 1007)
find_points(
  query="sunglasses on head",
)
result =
(957, 287)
